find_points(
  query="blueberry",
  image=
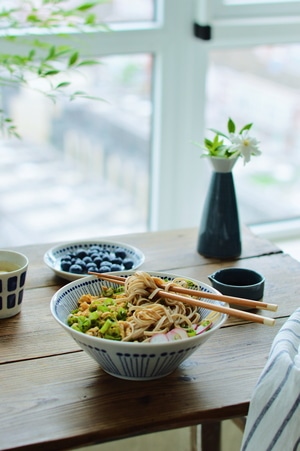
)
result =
(93, 255)
(66, 258)
(98, 270)
(95, 248)
(104, 269)
(106, 263)
(128, 263)
(81, 253)
(71, 254)
(80, 262)
(87, 260)
(106, 258)
(117, 261)
(97, 261)
(76, 269)
(120, 253)
(116, 267)
(91, 269)
(65, 265)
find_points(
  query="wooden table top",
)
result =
(54, 396)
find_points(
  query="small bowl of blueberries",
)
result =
(75, 260)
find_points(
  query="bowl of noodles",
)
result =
(129, 328)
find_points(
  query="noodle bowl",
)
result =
(134, 360)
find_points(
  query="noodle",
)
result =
(135, 313)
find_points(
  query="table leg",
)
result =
(211, 436)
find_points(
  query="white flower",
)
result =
(243, 144)
(232, 145)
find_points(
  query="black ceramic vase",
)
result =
(219, 233)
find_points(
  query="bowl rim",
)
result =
(231, 268)
(118, 344)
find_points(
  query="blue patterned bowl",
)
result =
(53, 256)
(132, 361)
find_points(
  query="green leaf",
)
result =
(31, 54)
(84, 95)
(88, 63)
(208, 143)
(218, 133)
(63, 50)
(50, 72)
(32, 18)
(86, 6)
(91, 19)
(41, 55)
(216, 141)
(51, 53)
(231, 126)
(63, 84)
(79, 93)
(73, 58)
(246, 127)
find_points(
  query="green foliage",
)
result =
(231, 126)
(7, 127)
(221, 146)
(41, 59)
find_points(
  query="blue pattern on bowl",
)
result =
(133, 361)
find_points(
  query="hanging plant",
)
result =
(41, 59)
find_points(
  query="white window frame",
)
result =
(272, 22)
(179, 177)
(223, 9)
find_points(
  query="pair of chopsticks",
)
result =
(203, 294)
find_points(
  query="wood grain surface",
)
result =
(54, 396)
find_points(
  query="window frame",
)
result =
(179, 177)
(250, 24)
(256, 9)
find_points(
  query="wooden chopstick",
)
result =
(203, 294)
(188, 300)
(219, 308)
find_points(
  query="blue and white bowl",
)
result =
(54, 256)
(125, 360)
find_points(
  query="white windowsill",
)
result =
(278, 230)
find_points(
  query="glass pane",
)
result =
(82, 167)
(241, 2)
(109, 11)
(252, 2)
(261, 85)
(127, 10)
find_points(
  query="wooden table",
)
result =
(53, 396)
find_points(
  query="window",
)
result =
(82, 167)
(260, 84)
(253, 76)
(162, 88)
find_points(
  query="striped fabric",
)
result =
(273, 422)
